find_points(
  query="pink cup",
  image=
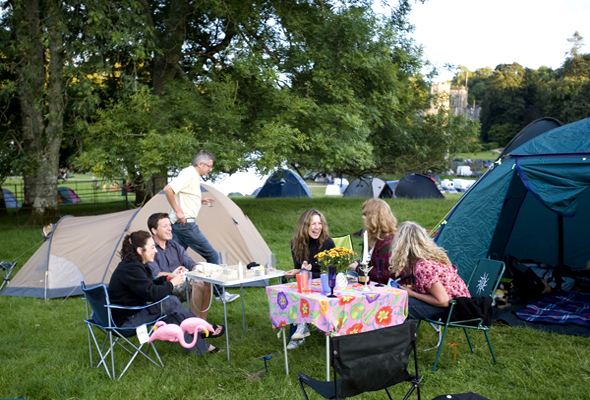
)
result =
(305, 281)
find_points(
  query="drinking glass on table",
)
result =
(379, 266)
(332, 279)
(223, 260)
(271, 263)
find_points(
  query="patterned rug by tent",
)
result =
(562, 308)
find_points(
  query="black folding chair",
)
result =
(369, 361)
(97, 298)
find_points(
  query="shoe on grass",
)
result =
(228, 297)
(301, 332)
(293, 344)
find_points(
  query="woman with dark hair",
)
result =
(381, 225)
(132, 285)
(436, 281)
(310, 238)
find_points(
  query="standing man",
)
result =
(184, 196)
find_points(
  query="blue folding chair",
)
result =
(101, 320)
(6, 267)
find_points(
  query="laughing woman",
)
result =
(310, 238)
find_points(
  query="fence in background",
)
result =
(93, 195)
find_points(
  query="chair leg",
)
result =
(303, 389)
(468, 340)
(490, 346)
(112, 350)
(388, 394)
(439, 348)
(437, 330)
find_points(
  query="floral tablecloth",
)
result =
(351, 312)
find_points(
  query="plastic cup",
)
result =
(325, 286)
(305, 281)
(271, 262)
(223, 259)
(298, 277)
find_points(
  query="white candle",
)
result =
(366, 248)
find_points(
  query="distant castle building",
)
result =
(453, 98)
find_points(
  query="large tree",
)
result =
(313, 84)
(50, 45)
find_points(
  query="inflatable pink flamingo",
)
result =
(194, 325)
(175, 333)
(171, 333)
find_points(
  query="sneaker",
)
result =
(301, 332)
(293, 344)
(228, 297)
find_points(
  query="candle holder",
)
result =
(365, 268)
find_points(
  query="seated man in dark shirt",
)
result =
(171, 259)
(132, 284)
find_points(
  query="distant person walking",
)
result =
(184, 196)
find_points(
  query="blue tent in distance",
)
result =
(284, 183)
(10, 199)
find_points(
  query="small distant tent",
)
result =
(529, 132)
(87, 248)
(417, 186)
(284, 183)
(392, 185)
(67, 195)
(368, 187)
(10, 199)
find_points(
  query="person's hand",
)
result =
(306, 266)
(407, 290)
(179, 270)
(180, 217)
(292, 273)
(353, 266)
(177, 280)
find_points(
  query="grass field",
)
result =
(44, 348)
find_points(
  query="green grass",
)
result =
(44, 348)
(483, 155)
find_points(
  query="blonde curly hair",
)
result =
(379, 220)
(412, 243)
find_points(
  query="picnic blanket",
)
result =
(562, 308)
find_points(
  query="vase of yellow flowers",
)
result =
(341, 257)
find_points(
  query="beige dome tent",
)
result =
(87, 248)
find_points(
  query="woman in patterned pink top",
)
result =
(436, 281)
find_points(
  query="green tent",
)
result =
(533, 203)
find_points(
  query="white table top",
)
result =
(219, 278)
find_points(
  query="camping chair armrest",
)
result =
(7, 265)
(136, 307)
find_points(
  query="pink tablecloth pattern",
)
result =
(351, 312)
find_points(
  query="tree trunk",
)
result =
(41, 99)
(165, 65)
(146, 189)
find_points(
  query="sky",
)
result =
(479, 34)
